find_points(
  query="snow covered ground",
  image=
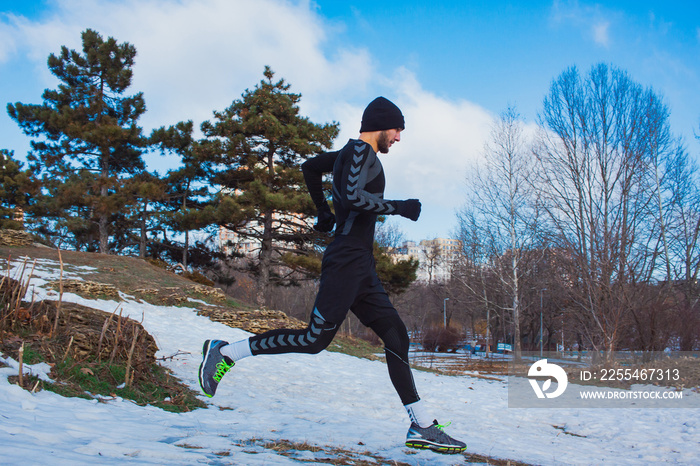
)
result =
(328, 400)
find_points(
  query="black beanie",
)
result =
(381, 114)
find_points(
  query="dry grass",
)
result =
(87, 349)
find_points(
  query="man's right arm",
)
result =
(313, 170)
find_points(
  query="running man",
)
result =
(348, 277)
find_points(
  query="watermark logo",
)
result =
(624, 379)
(542, 369)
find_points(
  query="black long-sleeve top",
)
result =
(358, 188)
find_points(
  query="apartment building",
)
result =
(231, 242)
(435, 256)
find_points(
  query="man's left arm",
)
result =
(355, 197)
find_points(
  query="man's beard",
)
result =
(383, 142)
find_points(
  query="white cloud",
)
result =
(8, 45)
(442, 140)
(197, 56)
(601, 34)
(592, 20)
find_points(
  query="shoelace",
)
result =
(443, 435)
(442, 426)
(221, 369)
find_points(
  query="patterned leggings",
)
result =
(319, 334)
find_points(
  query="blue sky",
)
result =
(451, 66)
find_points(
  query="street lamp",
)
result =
(543, 289)
(444, 312)
(562, 333)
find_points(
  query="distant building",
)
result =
(436, 257)
(18, 215)
(231, 242)
(447, 249)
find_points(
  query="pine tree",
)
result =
(85, 136)
(135, 225)
(257, 146)
(16, 190)
(189, 204)
(396, 276)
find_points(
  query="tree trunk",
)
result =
(265, 260)
(142, 241)
(103, 224)
(186, 249)
(517, 350)
(102, 208)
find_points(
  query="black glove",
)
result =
(326, 220)
(409, 209)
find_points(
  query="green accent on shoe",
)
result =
(221, 369)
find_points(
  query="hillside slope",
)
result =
(105, 275)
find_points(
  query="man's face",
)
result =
(387, 138)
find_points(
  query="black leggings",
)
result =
(319, 334)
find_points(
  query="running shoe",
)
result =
(433, 438)
(214, 366)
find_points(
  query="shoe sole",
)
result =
(205, 356)
(445, 449)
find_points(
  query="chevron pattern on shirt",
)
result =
(357, 178)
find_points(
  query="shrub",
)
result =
(198, 278)
(441, 339)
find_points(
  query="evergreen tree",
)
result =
(16, 190)
(189, 204)
(142, 195)
(396, 276)
(85, 136)
(257, 146)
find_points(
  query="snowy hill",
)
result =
(323, 406)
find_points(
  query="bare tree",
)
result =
(432, 259)
(389, 235)
(470, 273)
(600, 171)
(684, 233)
(505, 204)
